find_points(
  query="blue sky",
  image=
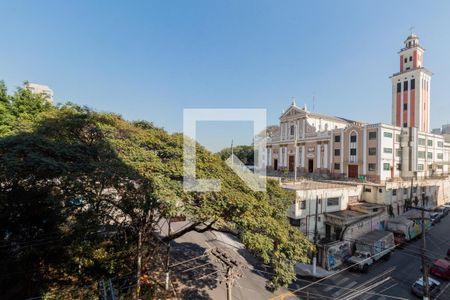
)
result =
(150, 59)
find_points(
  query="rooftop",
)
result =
(313, 185)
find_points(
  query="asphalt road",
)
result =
(390, 279)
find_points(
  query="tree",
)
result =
(6, 119)
(243, 152)
(110, 183)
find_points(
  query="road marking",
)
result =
(329, 288)
(345, 289)
(442, 291)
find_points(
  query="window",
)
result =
(410, 58)
(421, 154)
(372, 167)
(337, 166)
(386, 167)
(387, 134)
(337, 152)
(387, 150)
(398, 138)
(368, 190)
(372, 151)
(420, 167)
(405, 86)
(380, 191)
(398, 152)
(405, 106)
(440, 144)
(295, 222)
(303, 204)
(337, 138)
(405, 125)
(406, 60)
(440, 156)
(413, 84)
(399, 167)
(421, 142)
(332, 201)
(353, 152)
(430, 155)
(394, 192)
(372, 135)
(399, 87)
(292, 129)
(353, 139)
(430, 143)
(405, 191)
(415, 189)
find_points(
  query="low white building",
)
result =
(329, 197)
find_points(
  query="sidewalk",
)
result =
(307, 271)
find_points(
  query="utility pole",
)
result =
(315, 235)
(426, 288)
(168, 258)
(232, 269)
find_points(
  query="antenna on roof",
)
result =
(314, 102)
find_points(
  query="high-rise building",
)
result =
(445, 129)
(40, 89)
(411, 88)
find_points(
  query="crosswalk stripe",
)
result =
(329, 288)
(345, 289)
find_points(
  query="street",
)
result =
(391, 279)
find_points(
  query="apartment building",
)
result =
(40, 89)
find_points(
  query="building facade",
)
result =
(312, 143)
(41, 89)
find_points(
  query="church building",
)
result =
(312, 143)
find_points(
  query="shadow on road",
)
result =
(193, 273)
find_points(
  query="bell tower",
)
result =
(411, 88)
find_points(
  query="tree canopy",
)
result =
(83, 194)
(244, 152)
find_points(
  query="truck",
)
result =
(404, 229)
(408, 226)
(371, 247)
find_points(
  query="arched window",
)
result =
(353, 137)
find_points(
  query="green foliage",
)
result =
(243, 152)
(90, 183)
(20, 111)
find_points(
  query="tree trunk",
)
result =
(139, 265)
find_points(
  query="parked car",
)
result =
(441, 269)
(433, 284)
(435, 218)
(446, 209)
(441, 210)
